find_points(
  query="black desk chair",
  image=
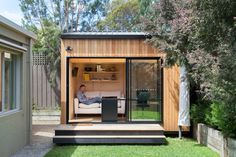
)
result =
(142, 98)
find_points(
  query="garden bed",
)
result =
(214, 139)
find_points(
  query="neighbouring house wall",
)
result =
(15, 127)
(1, 56)
(214, 139)
(14, 132)
(124, 48)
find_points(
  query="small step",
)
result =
(107, 132)
(110, 139)
(113, 127)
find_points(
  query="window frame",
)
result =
(15, 85)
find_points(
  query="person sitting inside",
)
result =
(83, 99)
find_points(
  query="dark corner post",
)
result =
(162, 91)
(127, 109)
(67, 90)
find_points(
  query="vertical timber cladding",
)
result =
(123, 48)
(63, 83)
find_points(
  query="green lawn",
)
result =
(175, 148)
(152, 115)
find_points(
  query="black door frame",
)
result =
(128, 86)
(127, 106)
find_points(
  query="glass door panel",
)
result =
(144, 89)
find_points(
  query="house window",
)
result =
(10, 82)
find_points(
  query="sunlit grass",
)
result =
(174, 148)
(148, 115)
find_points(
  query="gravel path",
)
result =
(41, 142)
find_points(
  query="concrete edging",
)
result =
(46, 117)
(214, 139)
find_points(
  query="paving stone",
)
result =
(41, 141)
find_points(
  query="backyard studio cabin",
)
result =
(122, 66)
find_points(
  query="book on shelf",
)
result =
(86, 77)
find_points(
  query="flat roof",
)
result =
(8, 23)
(104, 35)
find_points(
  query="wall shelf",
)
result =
(101, 81)
(100, 72)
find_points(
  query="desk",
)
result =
(109, 109)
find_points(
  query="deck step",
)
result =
(107, 132)
(110, 139)
(110, 134)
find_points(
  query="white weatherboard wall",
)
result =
(214, 139)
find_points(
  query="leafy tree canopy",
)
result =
(123, 15)
(49, 18)
(202, 36)
(69, 15)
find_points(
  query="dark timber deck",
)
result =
(109, 134)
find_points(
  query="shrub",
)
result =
(217, 115)
(213, 115)
(227, 119)
(198, 111)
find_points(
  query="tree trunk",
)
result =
(184, 100)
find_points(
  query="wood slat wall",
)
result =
(63, 84)
(109, 48)
(123, 48)
(171, 98)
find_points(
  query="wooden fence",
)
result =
(44, 96)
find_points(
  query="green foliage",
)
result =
(227, 119)
(201, 35)
(216, 20)
(198, 111)
(94, 12)
(48, 43)
(69, 15)
(123, 15)
(49, 19)
(145, 7)
(217, 115)
(213, 115)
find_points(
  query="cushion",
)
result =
(119, 104)
(91, 94)
(94, 105)
(111, 93)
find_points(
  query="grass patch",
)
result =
(152, 115)
(175, 148)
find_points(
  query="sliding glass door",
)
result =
(144, 90)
